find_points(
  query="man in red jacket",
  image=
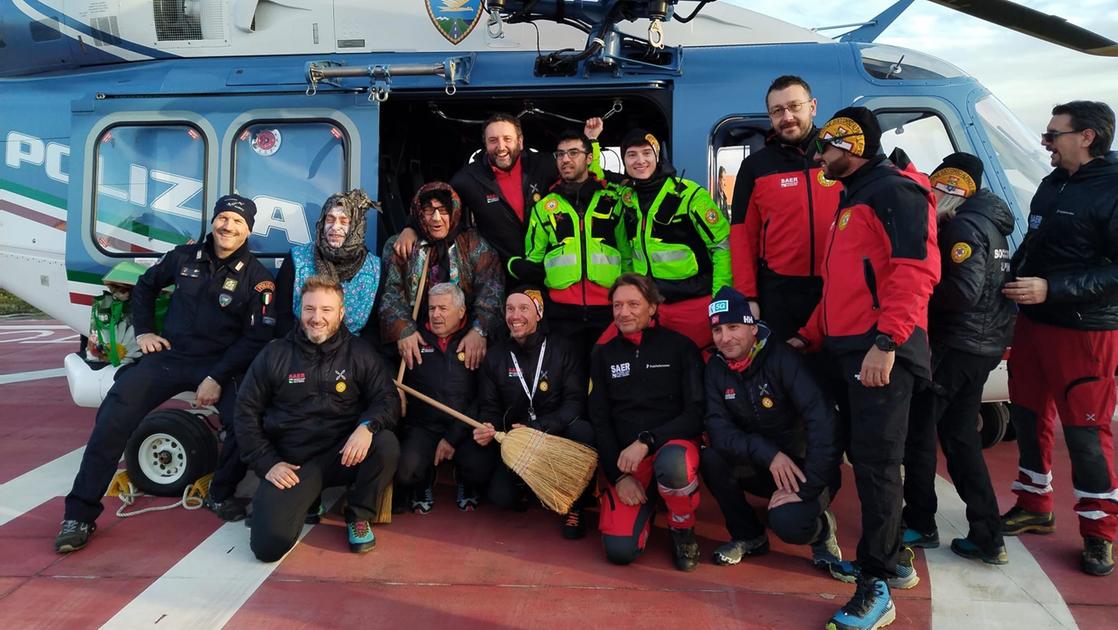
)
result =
(782, 208)
(879, 267)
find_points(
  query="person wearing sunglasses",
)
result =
(576, 246)
(781, 211)
(1065, 344)
(880, 265)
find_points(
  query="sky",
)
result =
(1028, 74)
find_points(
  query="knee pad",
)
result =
(1090, 469)
(670, 467)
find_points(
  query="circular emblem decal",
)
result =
(339, 386)
(551, 205)
(767, 402)
(535, 197)
(712, 216)
(627, 197)
(266, 142)
(461, 356)
(844, 219)
(960, 252)
(823, 181)
(954, 181)
(845, 134)
(544, 386)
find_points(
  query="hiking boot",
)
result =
(423, 501)
(573, 525)
(230, 510)
(733, 551)
(1098, 556)
(315, 512)
(870, 608)
(967, 549)
(360, 535)
(923, 540)
(825, 550)
(1020, 521)
(467, 497)
(905, 578)
(75, 534)
(685, 549)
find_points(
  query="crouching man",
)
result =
(773, 434)
(317, 410)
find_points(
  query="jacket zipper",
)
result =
(871, 280)
(765, 238)
(810, 222)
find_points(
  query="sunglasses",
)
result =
(1050, 136)
(821, 145)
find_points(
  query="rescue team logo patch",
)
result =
(845, 134)
(954, 181)
(535, 197)
(296, 377)
(730, 394)
(551, 205)
(455, 19)
(960, 252)
(823, 181)
(627, 197)
(620, 370)
(339, 387)
(544, 386)
(844, 219)
(230, 284)
(224, 300)
(789, 182)
(267, 285)
(462, 356)
(767, 402)
(712, 216)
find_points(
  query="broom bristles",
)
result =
(556, 469)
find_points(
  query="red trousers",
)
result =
(1069, 374)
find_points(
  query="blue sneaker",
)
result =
(361, 538)
(915, 538)
(906, 577)
(870, 608)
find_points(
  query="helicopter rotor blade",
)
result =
(1050, 28)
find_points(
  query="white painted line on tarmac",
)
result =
(32, 327)
(972, 594)
(208, 586)
(23, 377)
(32, 489)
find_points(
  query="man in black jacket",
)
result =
(773, 433)
(499, 188)
(970, 324)
(646, 405)
(1065, 343)
(317, 409)
(536, 380)
(431, 437)
(220, 315)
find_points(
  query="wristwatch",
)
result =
(885, 343)
(479, 330)
(646, 438)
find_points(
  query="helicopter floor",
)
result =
(487, 568)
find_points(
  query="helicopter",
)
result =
(122, 122)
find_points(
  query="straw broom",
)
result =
(555, 468)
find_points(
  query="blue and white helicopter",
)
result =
(123, 121)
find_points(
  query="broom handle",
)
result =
(414, 316)
(441, 407)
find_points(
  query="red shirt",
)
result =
(511, 184)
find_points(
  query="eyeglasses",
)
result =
(778, 111)
(1050, 136)
(821, 145)
(571, 153)
(430, 211)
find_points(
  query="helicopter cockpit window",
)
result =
(1023, 159)
(150, 185)
(288, 169)
(732, 141)
(890, 62)
(921, 135)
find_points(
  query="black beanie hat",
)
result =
(959, 175)
(853, 129)
(239, 205)
(640, 137)
(729, 307)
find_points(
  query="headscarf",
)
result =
(440, 258)
(343, 262)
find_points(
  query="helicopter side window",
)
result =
(922, 135)
(150, 188)
(732, 141)
(288, 169)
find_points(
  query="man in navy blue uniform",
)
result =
(221, 314)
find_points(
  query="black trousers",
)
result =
(581, 326)
(787, 302)
(277, 515)
(417, 458)
(878, 427)
(503, 486)
(135, 393)
(795, 523)
(950, 407)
